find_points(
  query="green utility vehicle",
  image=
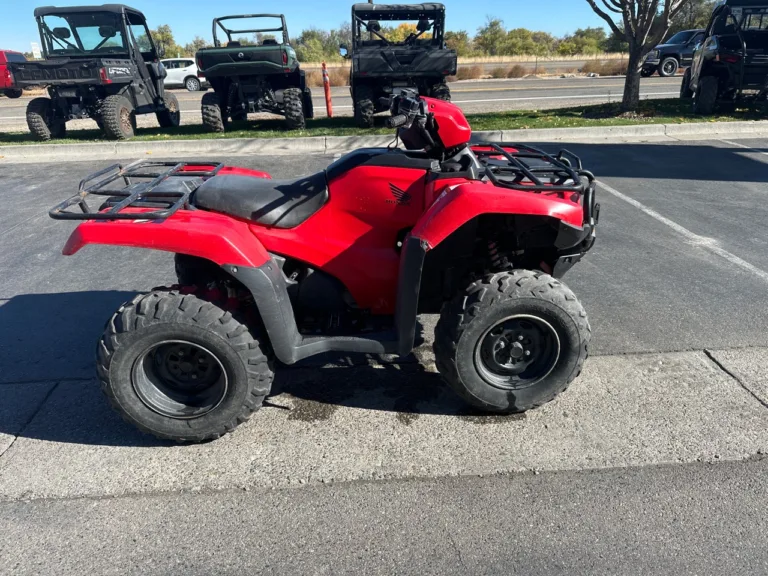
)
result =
(263, 76)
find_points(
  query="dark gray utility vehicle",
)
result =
(731, 66)
(261, 77)
(99, 62)
(382, 66)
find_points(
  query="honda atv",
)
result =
(274, 271)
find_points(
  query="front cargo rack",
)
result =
(520, 166)
(162, 187)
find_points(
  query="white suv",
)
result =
(182, 72)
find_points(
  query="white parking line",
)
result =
(707, 243)
(750, 148)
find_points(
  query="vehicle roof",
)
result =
(404, 10)
(54, 10)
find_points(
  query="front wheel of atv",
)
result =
(119, 117)
(182, 368)
(364, 109)
(213, 119)
(705, 98)
(42, 121)
(441, 92)
(170, 116)
(512, 341)
(293, 100)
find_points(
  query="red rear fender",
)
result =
(458, 204)
(215, 237)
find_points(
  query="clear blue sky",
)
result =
(188, 18)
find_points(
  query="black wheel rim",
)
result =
(179, 379)
(517, 352)
(670, 67)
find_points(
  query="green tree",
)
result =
(491, 37)
(196, 45)
(461, 42)
(165, 42)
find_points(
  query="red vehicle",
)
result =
(274, 271)
(7, 84)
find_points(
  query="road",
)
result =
(652, 463)
(472, 96)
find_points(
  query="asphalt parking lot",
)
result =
(651, 463)
(471, 96)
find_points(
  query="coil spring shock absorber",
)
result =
(497, 261)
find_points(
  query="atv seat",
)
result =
(278, 203)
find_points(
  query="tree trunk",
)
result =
(631, 99)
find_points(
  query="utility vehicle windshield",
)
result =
(79, 34)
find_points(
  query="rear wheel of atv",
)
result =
(512, 341)
(170, 116)
(294, 109)
(182, 368)
(42, 121)
(685, 88)
(364, 109)
(213, 119)
(119, 117)
(705, 98)
(13, 93)
(309, 106)
(441, 92)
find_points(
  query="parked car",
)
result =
(731, 65)
(183, 72)
(100, 62)
(7, 83)
(675, 53)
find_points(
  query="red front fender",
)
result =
(215, 237)
(457, 205)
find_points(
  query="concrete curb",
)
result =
(341, 144)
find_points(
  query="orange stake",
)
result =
(327, 86)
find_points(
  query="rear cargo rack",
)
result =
(162, 186)
(523, 167)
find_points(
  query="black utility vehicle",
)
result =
(675, 53)
(731, 65)
(261, 77)
(101, 63)
(382, 66)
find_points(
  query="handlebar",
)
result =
(397, 121)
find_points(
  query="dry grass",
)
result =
(500, 72)
(606, 68)
(339, 76)
(518, 71)
(470, 72)
(314, 78)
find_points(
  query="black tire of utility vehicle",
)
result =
(705, 98)
(474, 315)
(669, 67)
(309, 106)
(441, 92)
(213, 119)
(364, 109)
(128, 353)
(42, 122)
(119, 117)
(293, 101)
(170, 116)
(685, 88)
(13, 93)
(192, 84)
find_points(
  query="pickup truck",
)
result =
(7, 81)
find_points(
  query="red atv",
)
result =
(279, 270)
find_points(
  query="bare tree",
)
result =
(645, 23)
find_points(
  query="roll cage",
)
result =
(429, 18)
(218, 24)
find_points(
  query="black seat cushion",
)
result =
(278, 203)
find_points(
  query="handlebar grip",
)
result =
(397, 121)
